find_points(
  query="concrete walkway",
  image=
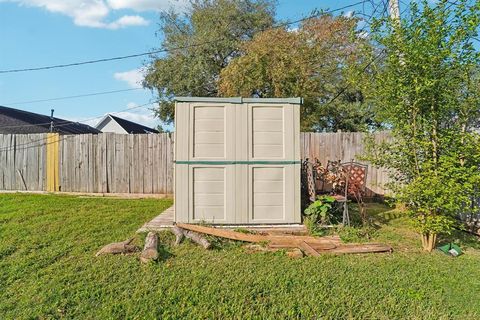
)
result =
(164, 221)
(161, 222)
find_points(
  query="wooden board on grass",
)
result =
(228, 234)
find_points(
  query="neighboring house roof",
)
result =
(128, 126)
(20, 121)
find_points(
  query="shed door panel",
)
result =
(267, 194)
(271, 192)
(270, 132)
(211, 194)
(212, 135)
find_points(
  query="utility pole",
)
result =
(51, 120)
(394, 10)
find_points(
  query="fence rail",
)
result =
(134, 163)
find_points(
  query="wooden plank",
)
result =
(118, 163)
(276, 241)
(110, 147)
(147, 163)
(3, 165)
(19, 155)
(353, 248)
(169, 163)
(228, 234)
(307, 249)
(91, 163)
(154, 159)
(286, 242)
(50, 164)
(103, 163)
(161, 161)
(84, 163)
(131, 165)
(141, 163)
(42, 167)
(125, 164)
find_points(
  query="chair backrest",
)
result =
(357, 176)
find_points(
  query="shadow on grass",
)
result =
(461, 238)
(164, 252)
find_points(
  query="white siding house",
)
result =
(114, 124)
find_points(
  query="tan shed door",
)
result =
(211, 194)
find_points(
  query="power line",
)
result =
(73, 97)
(28, 145)
(67, 122)
(163, 50)
(363, 70)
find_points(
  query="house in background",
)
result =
(111, 123)
(15, 121)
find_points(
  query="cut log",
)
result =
(178, 235)
(117, 248)
(181, 233)
(228, 234)
(197, 238)
(308, 250)
(150, 250)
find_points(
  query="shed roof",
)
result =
(13, 121)
(239, 100)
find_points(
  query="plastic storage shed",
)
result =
(237, 161)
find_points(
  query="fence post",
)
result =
(53, 163)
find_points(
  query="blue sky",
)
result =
(37, 33)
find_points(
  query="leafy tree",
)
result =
(312, 62)
(209, 35)
(427, 91)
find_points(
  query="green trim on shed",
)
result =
(240, 100)
(212, 162)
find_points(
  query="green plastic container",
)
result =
(451, 249)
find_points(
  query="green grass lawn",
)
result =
(48, 271)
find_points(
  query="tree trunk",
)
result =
(429, 240)
(150, 250)
(118, 248)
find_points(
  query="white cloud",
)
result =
(145, 118)
(145, 5)
(131, 105)
(95, 13)
(127, 21)
(133, 77)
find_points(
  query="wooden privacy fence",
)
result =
(92, 163)
(134, 163)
